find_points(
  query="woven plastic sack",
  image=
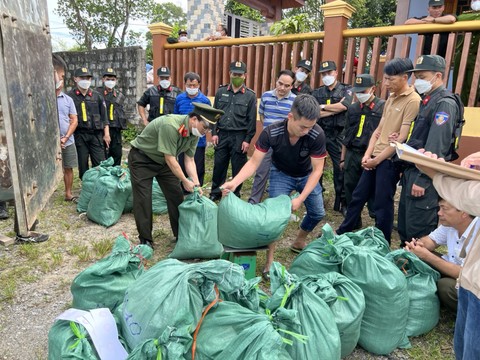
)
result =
(247, 296)
(167, 301)
(69, 340)
(104, 283)
(109, 197)
(372, 238)
(424, 308)
(322, 255)
(159, 203)
(315, 320)
(242, 225)
(230, 331)
(89, 179)
(386, 300)
(197, 229)
(347, 309)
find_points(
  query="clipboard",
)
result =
(407, 153)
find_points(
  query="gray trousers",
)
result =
(447, 293)
(261, 177)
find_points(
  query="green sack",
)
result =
(322, 255)
(197, 229)
(167, 300)
(248, 295)
(109, 197)
(88, 182)
(386, 300)
(69, 340)
(315, 320)
(371, 238)
(424, 308)
(230, 331)
(155, 349)
(104, 283)
(242, 225)
(159, 203)
(348, 308)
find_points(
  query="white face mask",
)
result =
(300, 76)
(196, 132)
(182, 39)
(218, 34)
(84, 84)
(328, 79)
(363, 98)
(475, 5)
(110, 84)
(192, 91)
(58, 85)
(165, 84)
(423, 86)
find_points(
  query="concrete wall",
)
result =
(129, 64)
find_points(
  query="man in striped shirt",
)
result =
(274, 106)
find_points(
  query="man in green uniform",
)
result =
(117, 121)
(471, 56)
(433, 130)
(334, 98)
(154, 155)
(362, 119)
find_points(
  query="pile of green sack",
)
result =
(107, 193)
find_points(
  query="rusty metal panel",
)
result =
(30, 134)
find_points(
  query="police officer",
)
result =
(154, 155)
(302, 70)
(117, 121)
(334, 98)
(362, 119)
(92, 129)
(433, 130)
(161, 98)
(234, 131)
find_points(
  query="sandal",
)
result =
(296, 250)
(266, 275)
(73, 199)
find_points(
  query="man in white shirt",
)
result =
(456, 228)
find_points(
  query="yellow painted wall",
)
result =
(472, 122)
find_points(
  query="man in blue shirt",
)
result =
(184, 106)
(274, 106)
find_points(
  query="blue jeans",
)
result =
(467, 326)
(282, 184)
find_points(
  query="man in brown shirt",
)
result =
(380, 174)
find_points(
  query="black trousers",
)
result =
(352, 170)
(115, 149)
(334, 149)
(199, 163)
(229, 148)
(142, 171)
(89, 145)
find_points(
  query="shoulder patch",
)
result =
(349, 92)
(441, 118)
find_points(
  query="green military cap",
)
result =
(207, 113)
(306, 64)
(436, 2)
(429, 63)
(327, 66)
(238, 67)
(363, 82)
(82, 72)
(163, 71)
(109, 72)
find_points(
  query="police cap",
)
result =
(109, 72)
(82, 72)
(436, 2)
(238, 67)
(306, 64)
(207, 113)
(363, 82)
(163, 71)
(430, 63)
(327, 66)
(182, 31)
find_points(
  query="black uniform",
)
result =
(236, 126)
(333, 128)
(361, 122)
(303, 88)
(161, 101)
(117, 121)
(428, 40)
(92, 120)
(433, 130)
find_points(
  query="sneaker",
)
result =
(33, 237)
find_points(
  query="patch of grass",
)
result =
(7, 289)
(57, 259)
(80, 251)
(30, 251)
(102, 247)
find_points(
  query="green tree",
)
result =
(105, 22)
(242, 10)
